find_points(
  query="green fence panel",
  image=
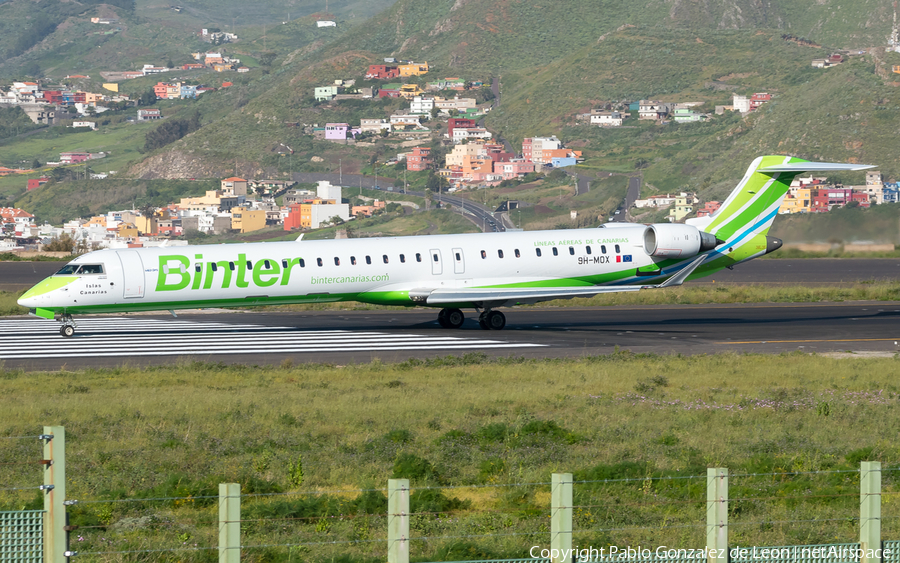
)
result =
(891, 551)
(22, 536)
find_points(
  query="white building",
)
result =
(405, 120)
(323, 212)
(460, 134)
(456, 103)
(607, 118)
(374, 126)
(741, 104)
(326, 190)
(421, 105)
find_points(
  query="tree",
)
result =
(266, 59)
(64, 243)
(35, 163)
(148, 98)
(170, 131)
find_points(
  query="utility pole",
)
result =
(340, 172)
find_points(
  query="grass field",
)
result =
(329, 433)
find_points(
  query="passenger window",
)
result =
(402, 259)
(500, 253)
(483, 254)
(418, 257)
(214, 267)
(517, 254)
(603, 249)
(385, 258)
(458, 257)
(555, 252)
(231, 266)
(436, 258)
(319, 262)
(617, 249)
(537, 251)
(284, 264)
(588, 249)
(302, 263)
(267, 265)
(249, 265)
(572, 251)
(337, 261)
(353, 260)
(368, 259)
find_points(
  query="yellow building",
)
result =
(213, 198)
(798, 201)
(411, 91)
(247, 220)
(146, 225)
(97, 220)
(413, 69)
(127, 230)
(684, 206)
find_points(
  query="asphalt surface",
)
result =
(348, 337)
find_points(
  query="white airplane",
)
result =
(481, 271)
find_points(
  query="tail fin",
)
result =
(752, 206)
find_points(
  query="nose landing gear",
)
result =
(67, 326)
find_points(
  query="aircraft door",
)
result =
(436, 267)
(133, 273)
(459, 261)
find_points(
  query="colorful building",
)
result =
(419, 159)
(413, 69)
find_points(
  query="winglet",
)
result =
(681, 276)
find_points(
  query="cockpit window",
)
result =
(80, 270)
(90, 269)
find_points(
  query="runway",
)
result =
(348, 337)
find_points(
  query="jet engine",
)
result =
(677, 241)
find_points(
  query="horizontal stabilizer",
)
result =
(814, 167)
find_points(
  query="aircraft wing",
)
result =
(495, 297)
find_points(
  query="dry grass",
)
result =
(180, 430)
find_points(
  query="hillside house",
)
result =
(461, 123)
(741, 104)
(391, 90)
(148, 114)
(608, 118)
(685, 115)
(234, 186)
(245, 220)
(649, 109)
(419, 159)
(759, 99)
(73, 157)
(405, 121)
(457, 103)
(374, 126)
(192, 66)
(684, 206)
(447, 84)
(534, 148)
(382, 72)
(411, 90)
(709, 208)
(337, 131)
(421, 105)
(413, 69)
(461, 134)
(513, 168)
(151, 69)
(89, 124)
(35, 183)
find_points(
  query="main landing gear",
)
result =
(66, 326)
(488, 319)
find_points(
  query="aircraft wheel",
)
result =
(495, 320)
(455, 318)
(482, 322)
(442, 318)
(66, 331)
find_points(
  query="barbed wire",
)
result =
(776, 473)
(641, 479)
(327, 492)
(22, 488)
(153, 499)
(753, 523)
(170, 549)
(470, 536)
(19, 437)
(475, 486)
(342, 542)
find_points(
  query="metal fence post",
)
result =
(870, 511)
(54, 487)
(717, 514)
(561, 518)
(229, 522)
(398, 520)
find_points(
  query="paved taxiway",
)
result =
(346, 337)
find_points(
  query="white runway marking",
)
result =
(22, 339)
